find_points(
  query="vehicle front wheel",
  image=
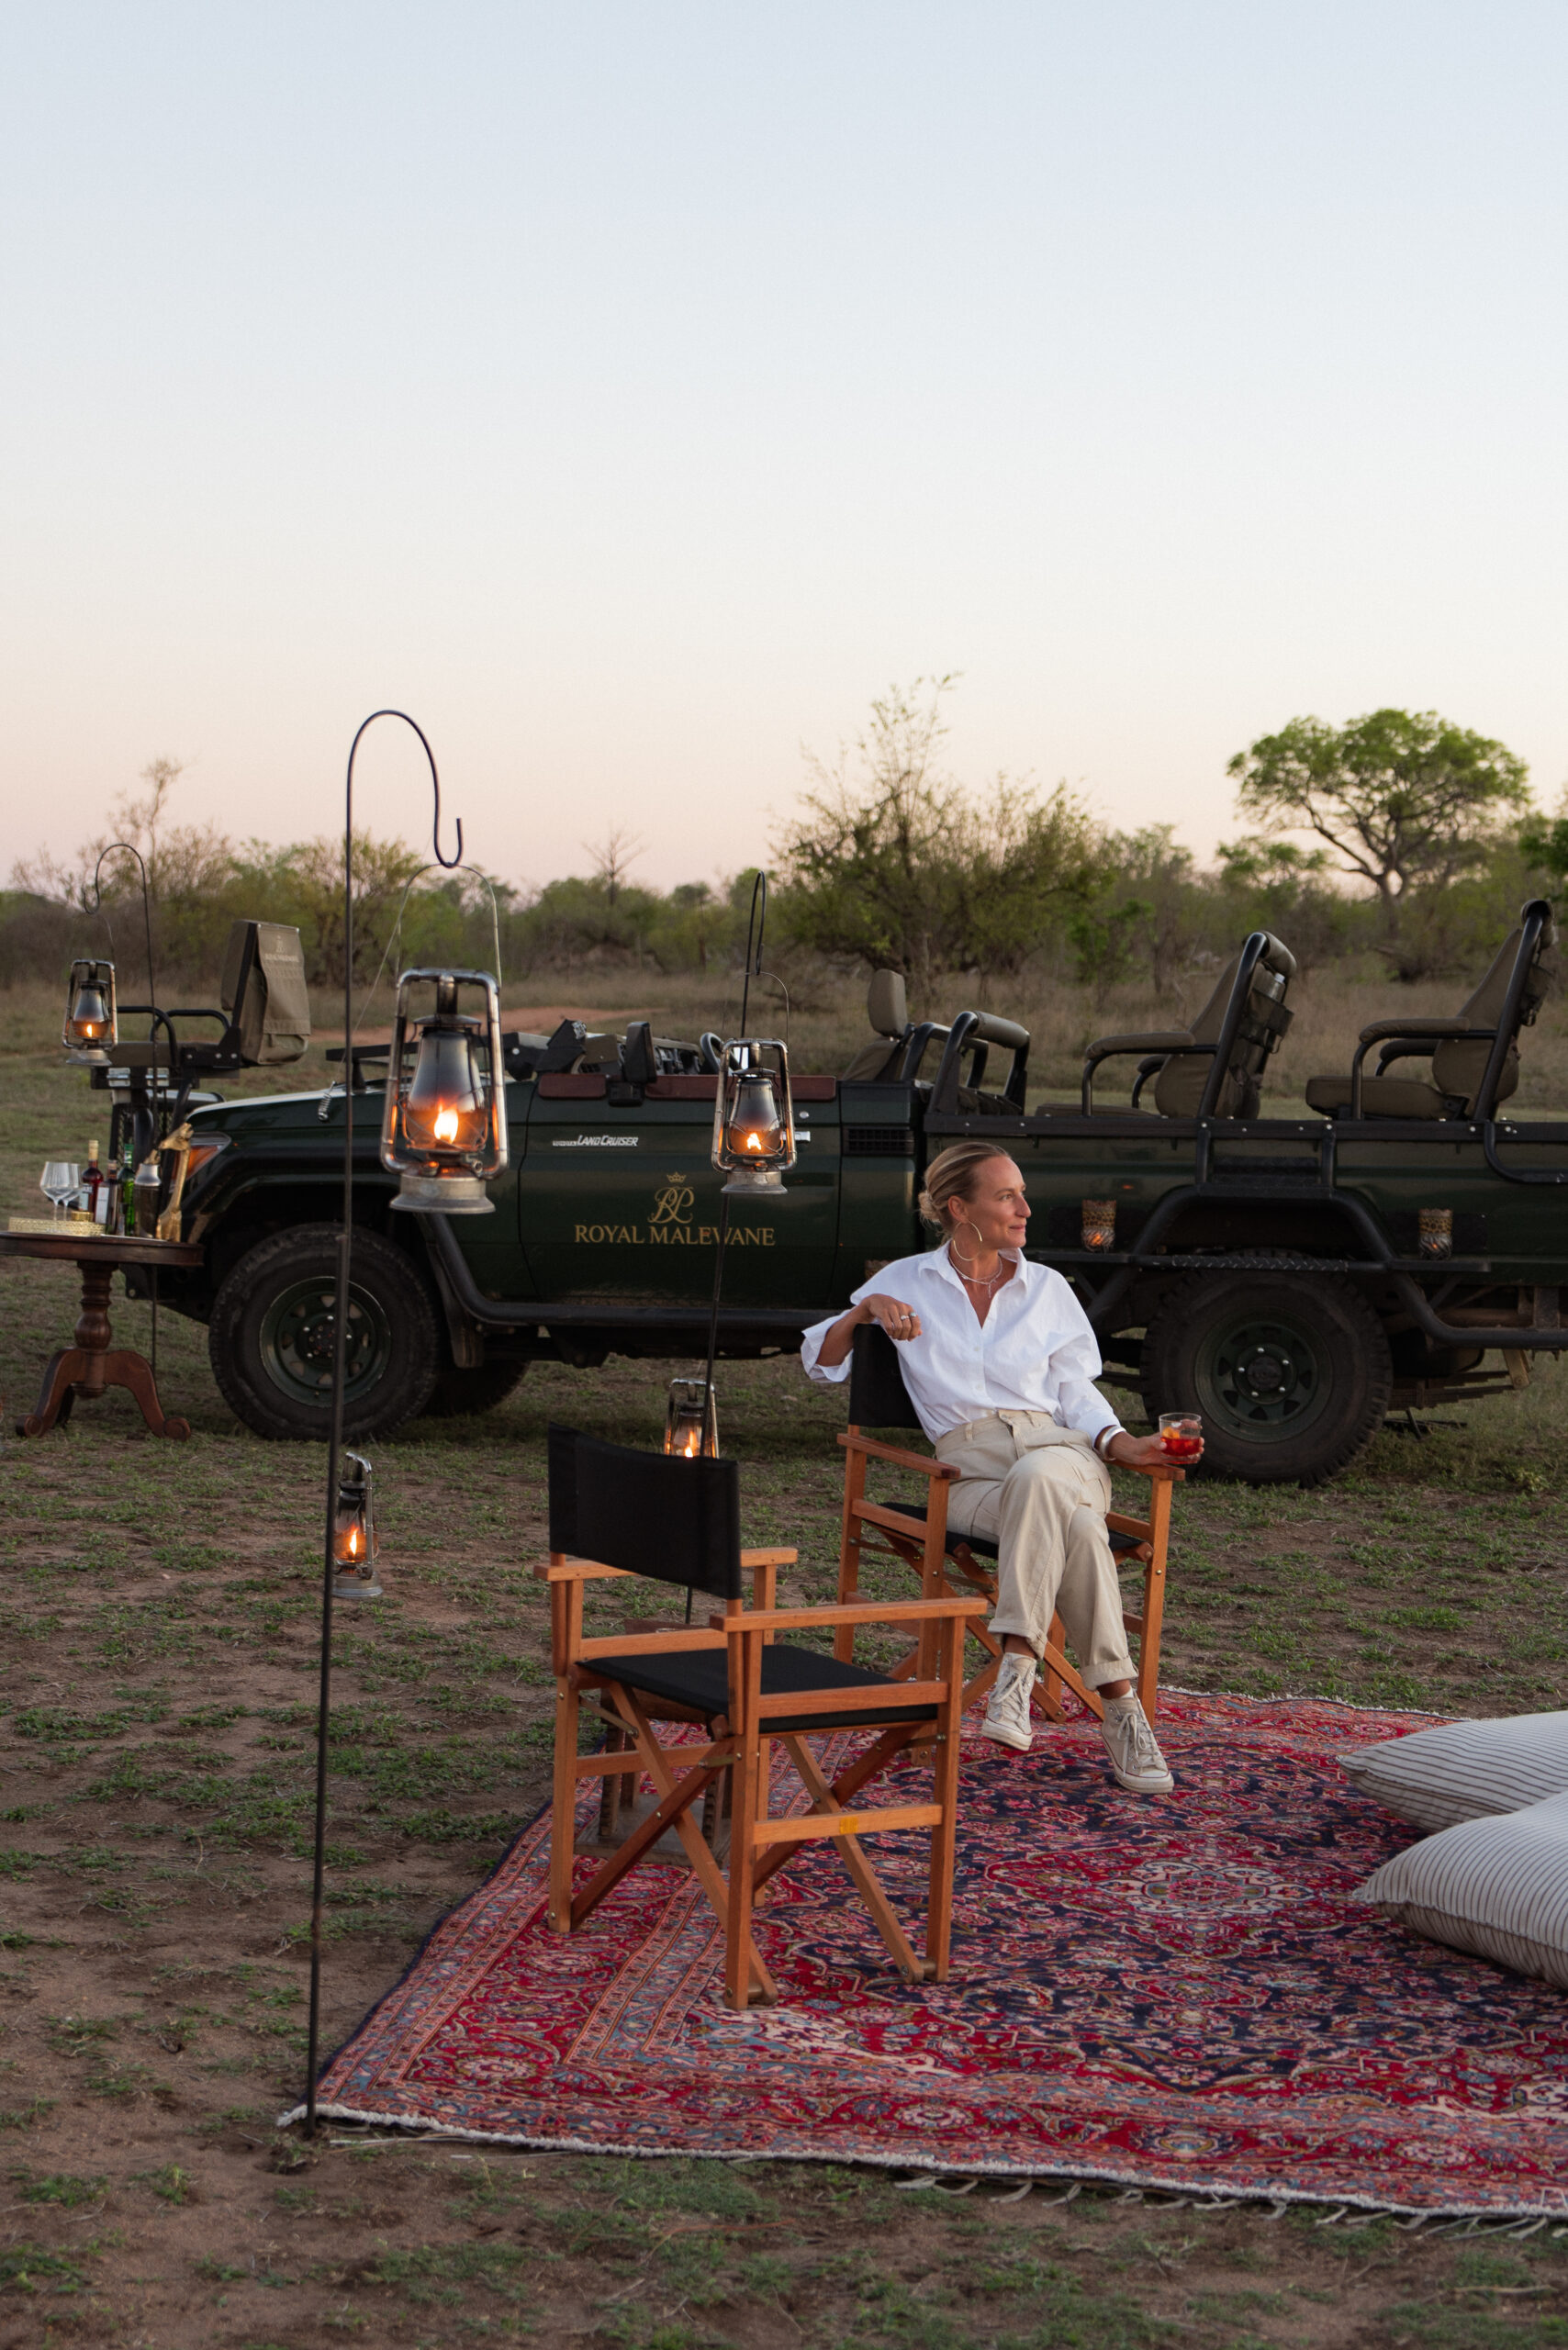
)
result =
(1292, 1373)
(272, 1336)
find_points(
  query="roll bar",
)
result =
(976, 1031)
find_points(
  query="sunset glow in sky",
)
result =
(632, 392)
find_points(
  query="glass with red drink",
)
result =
(1181, 1436)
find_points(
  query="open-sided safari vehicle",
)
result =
(1399, 1241)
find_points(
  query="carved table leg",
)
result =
(123, 1369)
(90, 1366)
(55, 1396)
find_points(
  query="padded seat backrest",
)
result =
(1457, 1068)
(887, 1008)
(263, 991)
(1178, 1088)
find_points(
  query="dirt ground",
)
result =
(158, 1604)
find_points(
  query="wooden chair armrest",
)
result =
(853, 1441)
(859, 1611)
(769, 1557)
(578, 1571)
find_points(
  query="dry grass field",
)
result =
(158, 1604)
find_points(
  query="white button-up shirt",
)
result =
(1034, 1352)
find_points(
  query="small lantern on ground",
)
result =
(355, 1542)
(90, 1025)
(753, 1118)
(690, 1431)
(443, 1129)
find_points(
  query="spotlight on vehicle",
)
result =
(91, 1026)
(443, 1128)
(753, 1118)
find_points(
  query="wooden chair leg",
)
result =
(737, 1909)
(1049, 1689)
(1154, 1602)
(943, 1836)
(859, 1867)
(563, 1806)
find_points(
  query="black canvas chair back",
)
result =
(877, 1396)
(654, 1514)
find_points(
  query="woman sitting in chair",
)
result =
(1000, 1362)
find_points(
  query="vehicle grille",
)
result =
(879, 1142)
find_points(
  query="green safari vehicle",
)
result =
(1294, 1279)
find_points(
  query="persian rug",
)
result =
(1172, 1993)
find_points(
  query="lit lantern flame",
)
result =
(686, 1438)
(445, 1127)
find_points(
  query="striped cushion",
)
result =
(1499, 1887)
(1435, 1778)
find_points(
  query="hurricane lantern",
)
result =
(355, 1540)
(443, 1128)
(91, 1026)
(753, 1118)
(690, 1431)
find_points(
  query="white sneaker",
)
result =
(1135, 1753)
(1007, 1718)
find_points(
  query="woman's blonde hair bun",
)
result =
(951, 1176)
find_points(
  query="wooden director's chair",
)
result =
(617, 1512)
(917, 1533)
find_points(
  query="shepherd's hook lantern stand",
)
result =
(332, 1563)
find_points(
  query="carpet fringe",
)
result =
(1506, 2217)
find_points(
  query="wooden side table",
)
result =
(91, 1365)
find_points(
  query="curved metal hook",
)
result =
(756, 925)
(97, 905)
(435, 779)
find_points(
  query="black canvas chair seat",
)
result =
(699, 1679)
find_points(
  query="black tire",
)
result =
(1290, 1371)
(270, 1339)
(457, 1394)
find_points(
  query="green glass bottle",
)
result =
(128, 1194)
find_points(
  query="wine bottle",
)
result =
(128, 1194)
(91, 1181)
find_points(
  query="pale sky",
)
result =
(631, 392)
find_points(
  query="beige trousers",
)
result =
(1040, 1493)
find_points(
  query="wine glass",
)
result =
(59, 1179)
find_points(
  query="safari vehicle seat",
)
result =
(1214, 1069)
(1474, 1055)
(887, 1007)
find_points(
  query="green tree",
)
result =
(1407, 802)
(895, 863)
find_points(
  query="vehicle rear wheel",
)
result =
(272, 1336)
(457, 1393)
(1292, 1373)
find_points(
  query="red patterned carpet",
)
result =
(1172, 1993)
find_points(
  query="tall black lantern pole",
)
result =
(756, 1153)
(332, 1563)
